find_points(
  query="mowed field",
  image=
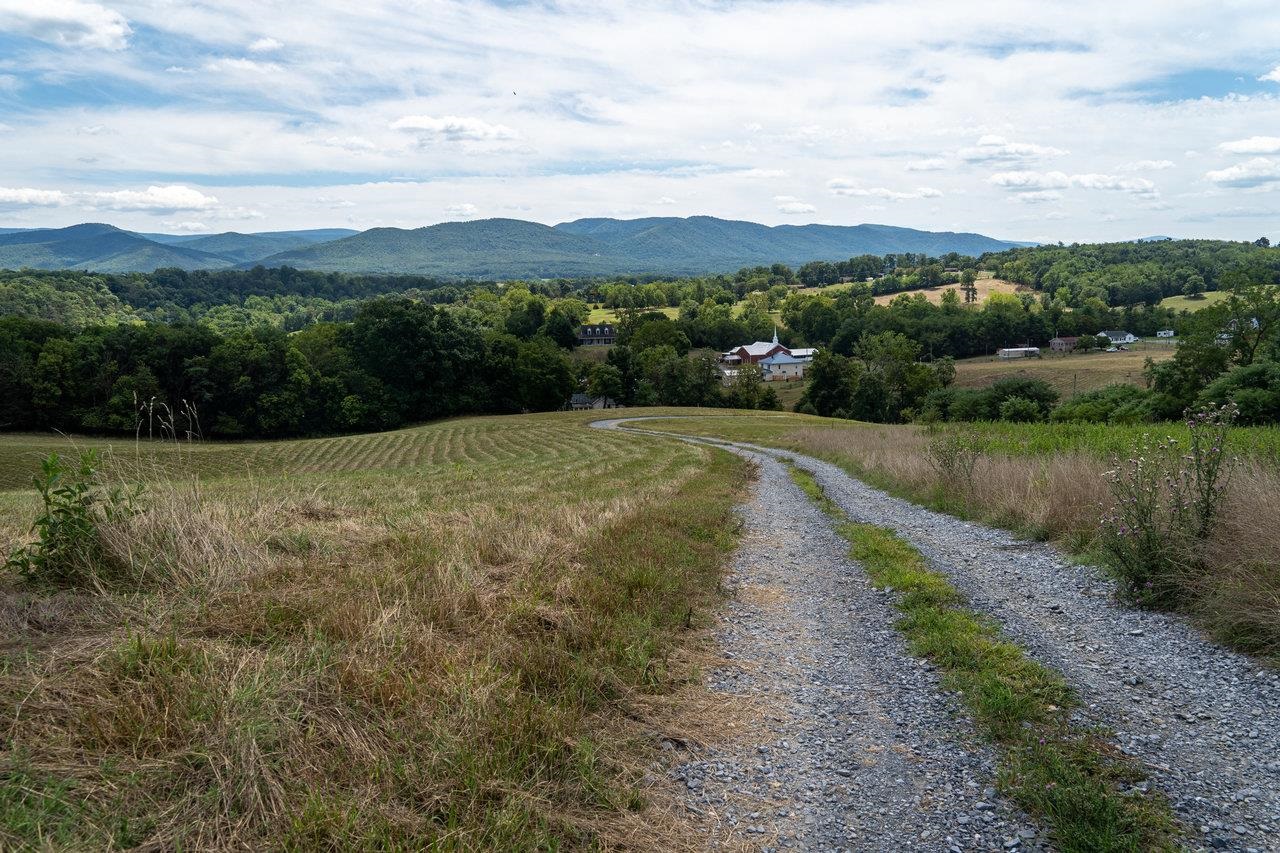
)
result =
(472, 634)
(1069, 374)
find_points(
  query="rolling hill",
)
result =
(705, 243)
(245, 248)
(98, 247)
(485, 248)
(510, 248)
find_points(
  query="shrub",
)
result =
(1020, 409)
(1166, 499)
(953, 454)
(1118, 403)
(68, 550)
(1254, 388)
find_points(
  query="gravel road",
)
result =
(867, 752)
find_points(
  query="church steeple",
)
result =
(775, 333)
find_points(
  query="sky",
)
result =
(1040, 121)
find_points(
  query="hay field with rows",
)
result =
(469, 634)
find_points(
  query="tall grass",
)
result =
(1048, 481)
(474, 654)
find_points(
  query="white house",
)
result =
(781, 366)
(1117, 337)
(1166, 333)
(1018, 352)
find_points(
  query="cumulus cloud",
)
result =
(928, 164)
(1146, 166)
(992, 149)
(454, 128)
(847, 187)
(265, 45)
(168, 199)
(1253, 145)
(665, 200)
(1036, 196)
(791, 205)
(185, 226)
(1272, 76)
(1257, 172)
(71, 23)
(30, 197)
(1028, 181)
(460, 211)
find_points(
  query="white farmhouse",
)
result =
(1118, 337)
(781, 366)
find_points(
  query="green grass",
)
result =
(451, 637)
(1072, 779)
(1044, 440)
(1186, 303)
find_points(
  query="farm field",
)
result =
(1184, 303)
(1069, 374)
(467, 635)
(986, 285)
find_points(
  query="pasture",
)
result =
(1186, 303)
(1070, 373)
(471, 634)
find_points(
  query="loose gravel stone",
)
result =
(1203, 720)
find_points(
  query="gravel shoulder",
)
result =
(857, 747)
(1205, 721)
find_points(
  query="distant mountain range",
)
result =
(485, 248)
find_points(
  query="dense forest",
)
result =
(282, 352)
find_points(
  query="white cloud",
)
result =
(1146, 166)
(1027, 181)
(185, 226)
(229, 64)
(1253, 145)
(355, 144)
(1133, 186)
(991, 148)
(1272, 76)
(928, 164)
(1257, 172)
(30, 197)
(791, 205)
(761, 173)
(847, 187)
(454, 128)
(158, 199)
(665, 200)
(460, 211)
(1036, 196)
(71, 23)
(265, 45)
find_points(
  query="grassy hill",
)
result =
(470, 635)
(1186, 303)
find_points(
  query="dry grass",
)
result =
(985, 286)
(1069, 374)
(1233, 591)
(483, 653)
